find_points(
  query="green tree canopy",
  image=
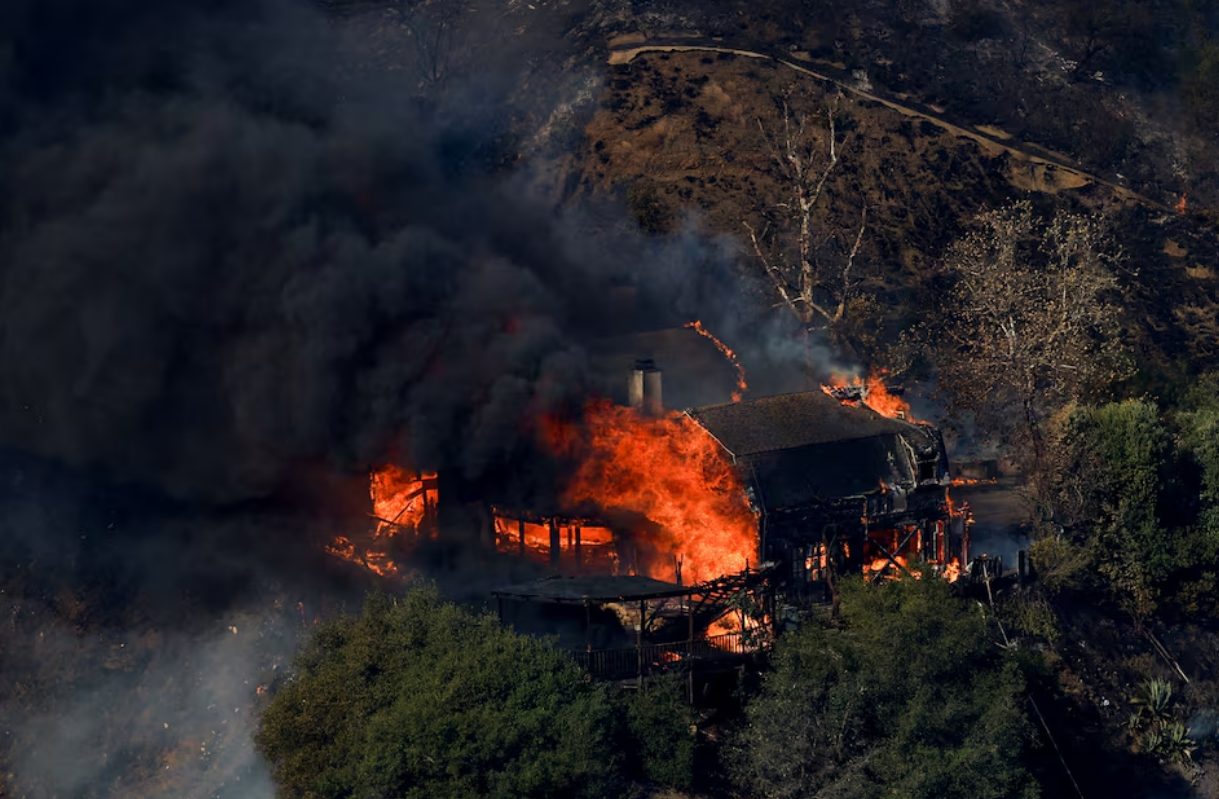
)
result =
(1104, 484)
(1135, 496)
(909, 698)
(1199, 425)
(420, 699)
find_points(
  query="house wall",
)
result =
(852, 535)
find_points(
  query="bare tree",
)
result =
(811, 269)
(438, 36)
(1032, 320)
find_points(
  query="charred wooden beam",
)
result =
(891, 557)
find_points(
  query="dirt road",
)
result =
(624, 50)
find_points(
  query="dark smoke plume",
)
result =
(220, 257)
(229, 256)
(236, 262)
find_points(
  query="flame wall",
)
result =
(676, 494)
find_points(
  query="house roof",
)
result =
(804, 449)
(790, 421)
(817, 473)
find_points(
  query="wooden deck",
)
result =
(702, 654)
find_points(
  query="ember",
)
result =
(871, 392)
(672, 473)
(741, 386)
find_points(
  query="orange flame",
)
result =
(741, 385)
(590, 544)
(735, 624)
(1180, 206)
(952, 572)
(873, 392)
(671, 472)
(880, 564)
(400, 499)
(376, 560)
(973, 481)
(401, 502)
(954, 509)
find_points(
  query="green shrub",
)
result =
(911, 698)
(1200, 82)
(1031, 614)
(661, 730)
(1058, 563)
(420, 699)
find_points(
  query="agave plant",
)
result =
(1171, 741)
(1153, 706)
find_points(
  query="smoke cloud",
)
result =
(153, 715)
(234, 256)
(222, 255)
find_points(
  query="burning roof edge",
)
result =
(790, 421)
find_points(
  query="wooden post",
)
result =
(690, 648)
(588, 623)
(579, 552)
(427, 515)
(555, 543)
(520, 528)
(639, 641)
(831, 568)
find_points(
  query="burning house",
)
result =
(828, 485)
(642, 524)
(812, 484)
(748, 498)
(839, 486)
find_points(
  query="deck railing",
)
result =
(653, 657)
